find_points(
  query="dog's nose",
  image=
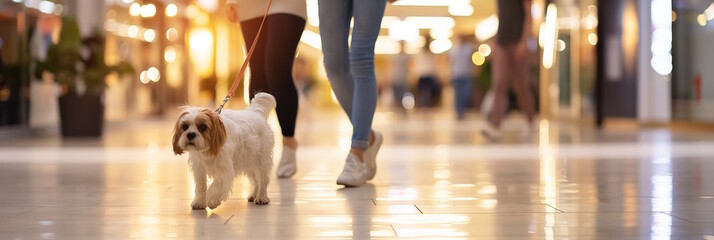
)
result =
(191, 135)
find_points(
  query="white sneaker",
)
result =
(354, 174)
(370, 155)
(287, 166)
(490, 132)
(531, 130)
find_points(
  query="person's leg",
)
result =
(258, 81)
(283, 36)
(462, 93)
(335, 16)
(367, 22)
(499, 85)
(521, 86)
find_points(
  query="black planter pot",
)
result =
(81, 116)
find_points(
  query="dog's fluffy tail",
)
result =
(262, 104)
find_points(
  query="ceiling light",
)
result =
(171, 10)
(135, 9)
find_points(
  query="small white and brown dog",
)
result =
(224, 146)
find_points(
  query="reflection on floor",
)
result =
(436, 179)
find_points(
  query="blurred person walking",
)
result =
(510, 60)
(272, 61)
(462, 76)
(350, 69)
(400, 77)
(427, 86)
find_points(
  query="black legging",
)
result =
(272, 63)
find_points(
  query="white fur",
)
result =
(248, 150)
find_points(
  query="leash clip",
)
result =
(225, 100)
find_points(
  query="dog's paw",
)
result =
(251, 198)
(198, 204)
(214, 203)
(261, 200)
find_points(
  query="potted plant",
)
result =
(78, 65)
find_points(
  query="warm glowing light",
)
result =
(171, 10)
(313, 16)
(674, 16)
(210, 5)
(487, 28)
(312, 39)
(46, 7)
(153, 74)
(170, 54)
(149, 35)
(144, 78)
(171, 34)
(148, 10)
(439, 33)
(201, 40)
(550, 32)
(461, 8)
(191, 11)
(135, 9)
(661, 45)
(709, 12)
(121, 29)
(592, 39)
(421, 22)
(201, 45)
(590, 22)
(536, 10)
(440, 46)
(478, 59)
(484, 49)
(133, 31)
(386, 45)
(702, 20)
(402, 30)
(561, 45)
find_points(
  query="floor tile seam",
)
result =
(557, 209)
(394, 230)
(677, 217)
(231, 217)
(417, 207)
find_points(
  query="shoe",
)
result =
(490, 132)
(531, 130)
(370, 155)
(288, 165)
(354, 174)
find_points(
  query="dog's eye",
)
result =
(202, 127)
(184, 127)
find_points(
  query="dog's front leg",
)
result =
(199, 178)
(220, 188)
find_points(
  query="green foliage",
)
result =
(66, 61)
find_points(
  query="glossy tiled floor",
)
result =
(436, 179)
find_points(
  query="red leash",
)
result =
(245, 63)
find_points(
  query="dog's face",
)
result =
(198, 130)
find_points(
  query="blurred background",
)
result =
(624, 91)
(642, 61)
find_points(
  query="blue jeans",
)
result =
(351, 70)
(462, 94)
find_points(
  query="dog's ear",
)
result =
(177, 134)
(216, 132)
